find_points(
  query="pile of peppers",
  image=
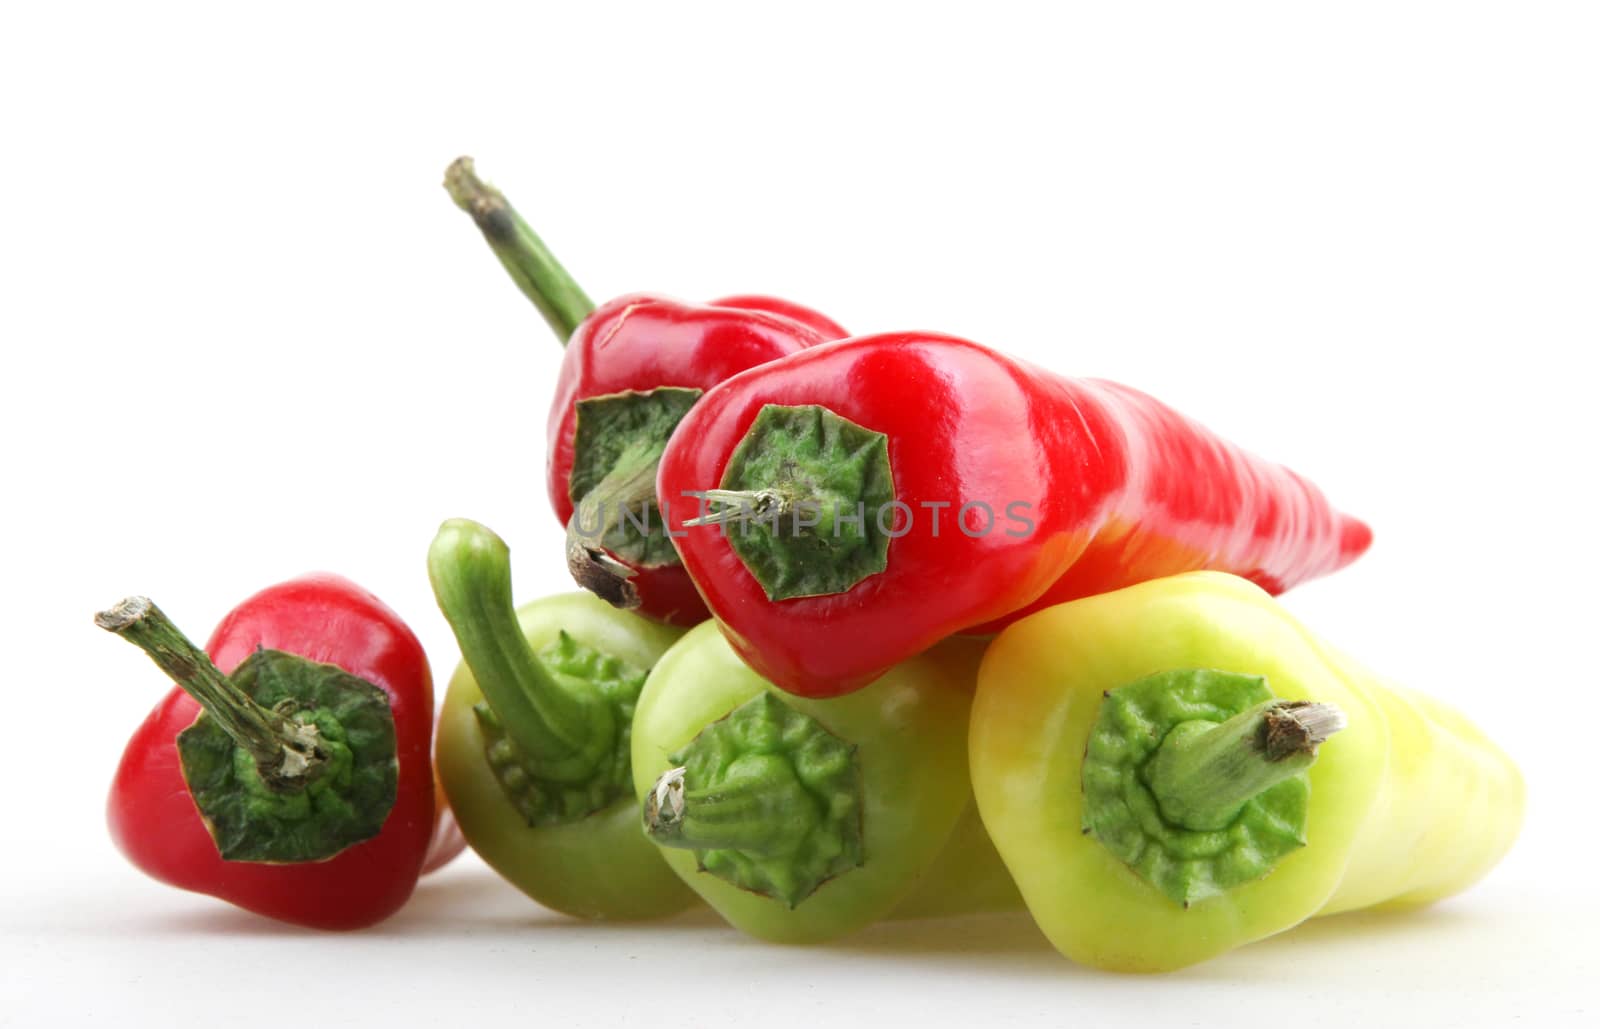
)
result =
(870, 627)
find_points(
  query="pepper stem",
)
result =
(526, 259)
(729, 505)
(565, 728)
(1204, 772)
(759, 809)
(627, 491)
(767, 799)
(287, 753)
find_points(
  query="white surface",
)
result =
(247, 335)
(470, 950)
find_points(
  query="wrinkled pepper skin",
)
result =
(1118, 489)
(153, 818)
(1408, 804)
(599, 867)
(909, 731)
(640, 342)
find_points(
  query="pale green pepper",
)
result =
(534, 740)
(801, 820)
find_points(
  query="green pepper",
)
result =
(1178, 768)
(533, 743)
(802, 820)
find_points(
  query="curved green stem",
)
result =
(526, 259)
(1204, 773)
(566, 730)
(286, 753)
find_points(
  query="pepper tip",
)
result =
(1298, 727)
(663, 805)
(602, 575)
(123, 613)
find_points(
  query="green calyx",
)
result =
(556, 723)
(345, 799)
(806, 501)
(290, 760)
(1196, 778)
(767, 798)
(616, 449)
(544, 800)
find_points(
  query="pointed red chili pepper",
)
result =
(633, 366)
(867, 498)
(305, 791)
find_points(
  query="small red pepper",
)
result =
(633, 366)
(878, 494)
(305, 791)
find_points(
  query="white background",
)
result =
(247, 335)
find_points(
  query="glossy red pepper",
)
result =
(622, 357)
(1070, 488)
(153, 814)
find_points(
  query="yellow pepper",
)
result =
(1179, 768)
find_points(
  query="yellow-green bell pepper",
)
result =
(1151, 765)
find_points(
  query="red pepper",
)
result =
(447, 841)
(288, 860)
(825, 326)
(634, 344)
(1052, 489)
(632, 367)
